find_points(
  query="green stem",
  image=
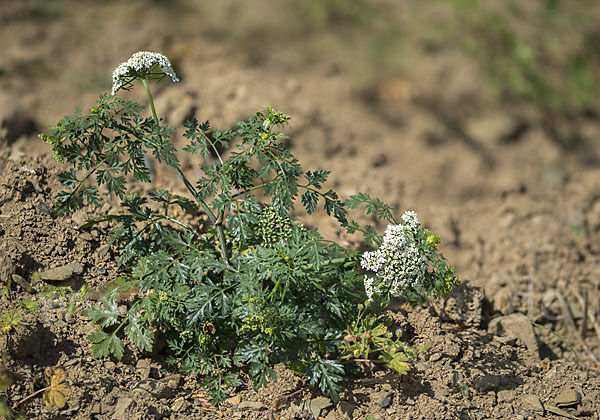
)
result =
(276, 161)
(256, 187)
(145, 82)
(334, 261)
(80, 183)
(270, 296)
(214, 147)
(189, 186)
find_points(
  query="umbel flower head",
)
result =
(407, 263)
(142, 64)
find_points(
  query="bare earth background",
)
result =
(513, 192)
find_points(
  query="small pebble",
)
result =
(251, 405)
(103, 250)
(567, 397)
(61, 273)
(385, 400)
(180, 404)
(532, 402)
(505, 395)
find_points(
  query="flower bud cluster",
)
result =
(55, 139)
(140, 65)
(401, 262)
(272, 227)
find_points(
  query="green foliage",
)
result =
(83, 141)
(369, 335)
(106, 344)
(252, 288)
(10, 319)
(6, 412)
(28, 304)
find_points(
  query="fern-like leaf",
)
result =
(105, 344)
(106, 315)
(138, 335)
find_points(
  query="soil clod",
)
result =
(62, 273)
(567, 398)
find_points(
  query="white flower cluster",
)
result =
(140, 65)
(398, 263)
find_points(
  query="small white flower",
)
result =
(369, 289)
(140, 65)
(372, 261)
(411, 219)
(398, 263)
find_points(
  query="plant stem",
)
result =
(80, 183)
(214, 147)
(256, 187)
(188, 184)
(145, 82)
(39, 391)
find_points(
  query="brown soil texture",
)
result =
(514, 197)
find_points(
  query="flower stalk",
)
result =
(217, 222)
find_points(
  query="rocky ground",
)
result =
(515, 198)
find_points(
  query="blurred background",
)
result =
(426, 104)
